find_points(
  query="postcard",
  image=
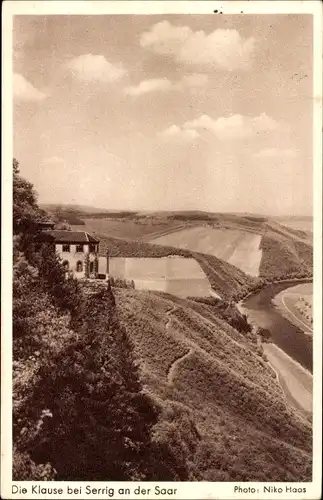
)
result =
(162, 250)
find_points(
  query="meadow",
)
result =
(241, 249)
(131, 228)
(172, 274)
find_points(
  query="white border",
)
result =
(196, 490)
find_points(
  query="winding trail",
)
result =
(194, 348)
(174, 366)
(172, 370)
(168, 313)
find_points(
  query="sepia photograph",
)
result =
(163, 228)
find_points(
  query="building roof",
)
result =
(45, 224)
(60, 236)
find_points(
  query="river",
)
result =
(288, 337)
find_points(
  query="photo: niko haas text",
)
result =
(270, 489)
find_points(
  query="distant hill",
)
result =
(71, 207)
(256, 245)
(218, 394)
(304, 223)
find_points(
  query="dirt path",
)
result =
(169, 319)
(172, 370)
(195, 348)
(174, 366)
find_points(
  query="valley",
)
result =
(236, 252)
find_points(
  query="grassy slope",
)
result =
(245, 430)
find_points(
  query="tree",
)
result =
(265, 334)
(100, 421)
(25, 208)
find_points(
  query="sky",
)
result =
(173, 112)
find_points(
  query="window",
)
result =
(79, 266)
(66, 248)
(66, 265)
(79, 248)
(92, 248)
(91, 267)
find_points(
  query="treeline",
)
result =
(69, 216)
(228, 312)
(110, 215)
(79, 410)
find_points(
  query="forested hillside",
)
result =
(79, 411)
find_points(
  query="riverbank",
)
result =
(289, 311)
(274, 282)
(296, 381)
(286, 355)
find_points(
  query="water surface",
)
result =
(288, 337)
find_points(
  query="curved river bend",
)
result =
(288, 337)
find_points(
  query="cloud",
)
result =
(24, 90)
(276, 153)
(147, 86)
(234, 126)
(89, 68)
(177, 133)
(164, 84)
(222, 48)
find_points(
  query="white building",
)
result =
(78, 250)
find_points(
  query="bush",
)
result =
(264, 334)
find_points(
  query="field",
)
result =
(233, 250)
(204, 372)
(131, 228)
(296, 304)
(176, 275)
(241, 249)
(225, 279)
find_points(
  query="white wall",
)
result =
(73, 257)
